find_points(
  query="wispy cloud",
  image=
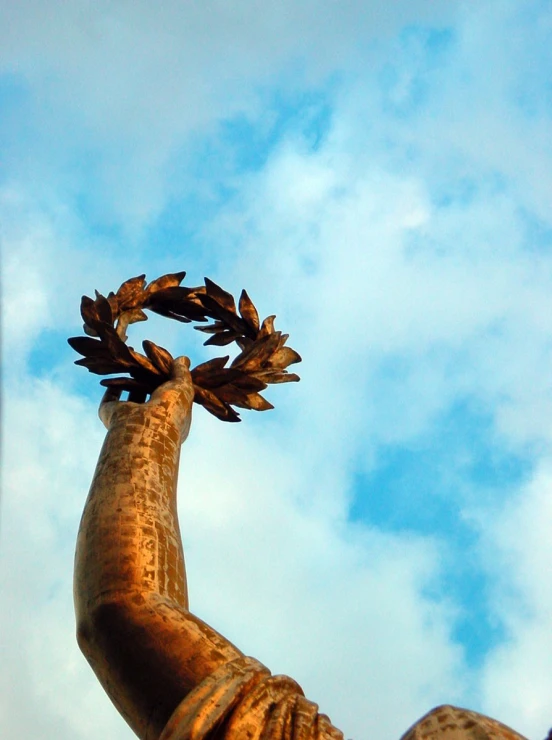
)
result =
(378, 176)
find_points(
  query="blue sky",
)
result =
(378, 177)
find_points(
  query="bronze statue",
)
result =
(169, 674)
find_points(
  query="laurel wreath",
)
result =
(262, 360)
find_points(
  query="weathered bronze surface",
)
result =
(169, 674)
(452, 723)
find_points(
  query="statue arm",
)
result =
(133, 623)
(167, 672)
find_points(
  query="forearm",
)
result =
(129, 539)
(133, 624)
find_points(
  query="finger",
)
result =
(179, 389)
(181, 366)
(176, 395)
(108, 404)
(111, 394)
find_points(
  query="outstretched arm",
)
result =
(131, 603)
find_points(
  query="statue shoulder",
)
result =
(453, 723)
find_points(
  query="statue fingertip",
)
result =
(181, 366)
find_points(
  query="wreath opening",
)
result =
(262, 360)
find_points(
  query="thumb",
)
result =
(176, 395)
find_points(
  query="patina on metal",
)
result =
(170, 675)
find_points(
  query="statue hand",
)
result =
(173, 400)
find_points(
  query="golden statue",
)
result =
(170, 675)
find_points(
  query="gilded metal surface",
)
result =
(170, 675)
(131, 601)
(452, 723)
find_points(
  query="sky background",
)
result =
(379, 175)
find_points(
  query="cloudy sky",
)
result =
(379, 175)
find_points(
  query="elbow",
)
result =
(84, 634)
(106, 628)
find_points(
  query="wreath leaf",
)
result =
(162, 311)
(88, 347)
(267, 327)
(125, 384)
(248, 311)
(160, 357)
(272, 376)
(222, 339)
(217, 363)
(215, 328)
(229, 317)
(283, 357)
(223, 298)
(130, 291)
(212, 403)
(165, 281)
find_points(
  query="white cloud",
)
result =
(117, 88)
(517, 679)
(50, 441)
(349, 253)
(48, 259)
(368, 270)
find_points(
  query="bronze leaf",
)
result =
(195, 294)
(88, 347)
(191, 310)
(115, 345)
(238, 397)
(217, 363)
(216, 378)
(149, 379)
(222, 297)
(113, 302)
(125, 384)
(248, 311)
(99, 366)
(223, 314)
(215, 328)
(260, 352)
(217, 407)
(103, 308)
(177, 301)
(161, 358)
(162, 311)
(248, 383)
(91, 313)
(130, 291)
(134, 315)
(284, 357)
(144, 362)
(251, 351)
(169, 293)
(89, 331)
(170, 280)
(258, 403)
(244, 342)
(267, 327)
(230, 394)
(275, 376)
(130, 316)
(222, 339)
